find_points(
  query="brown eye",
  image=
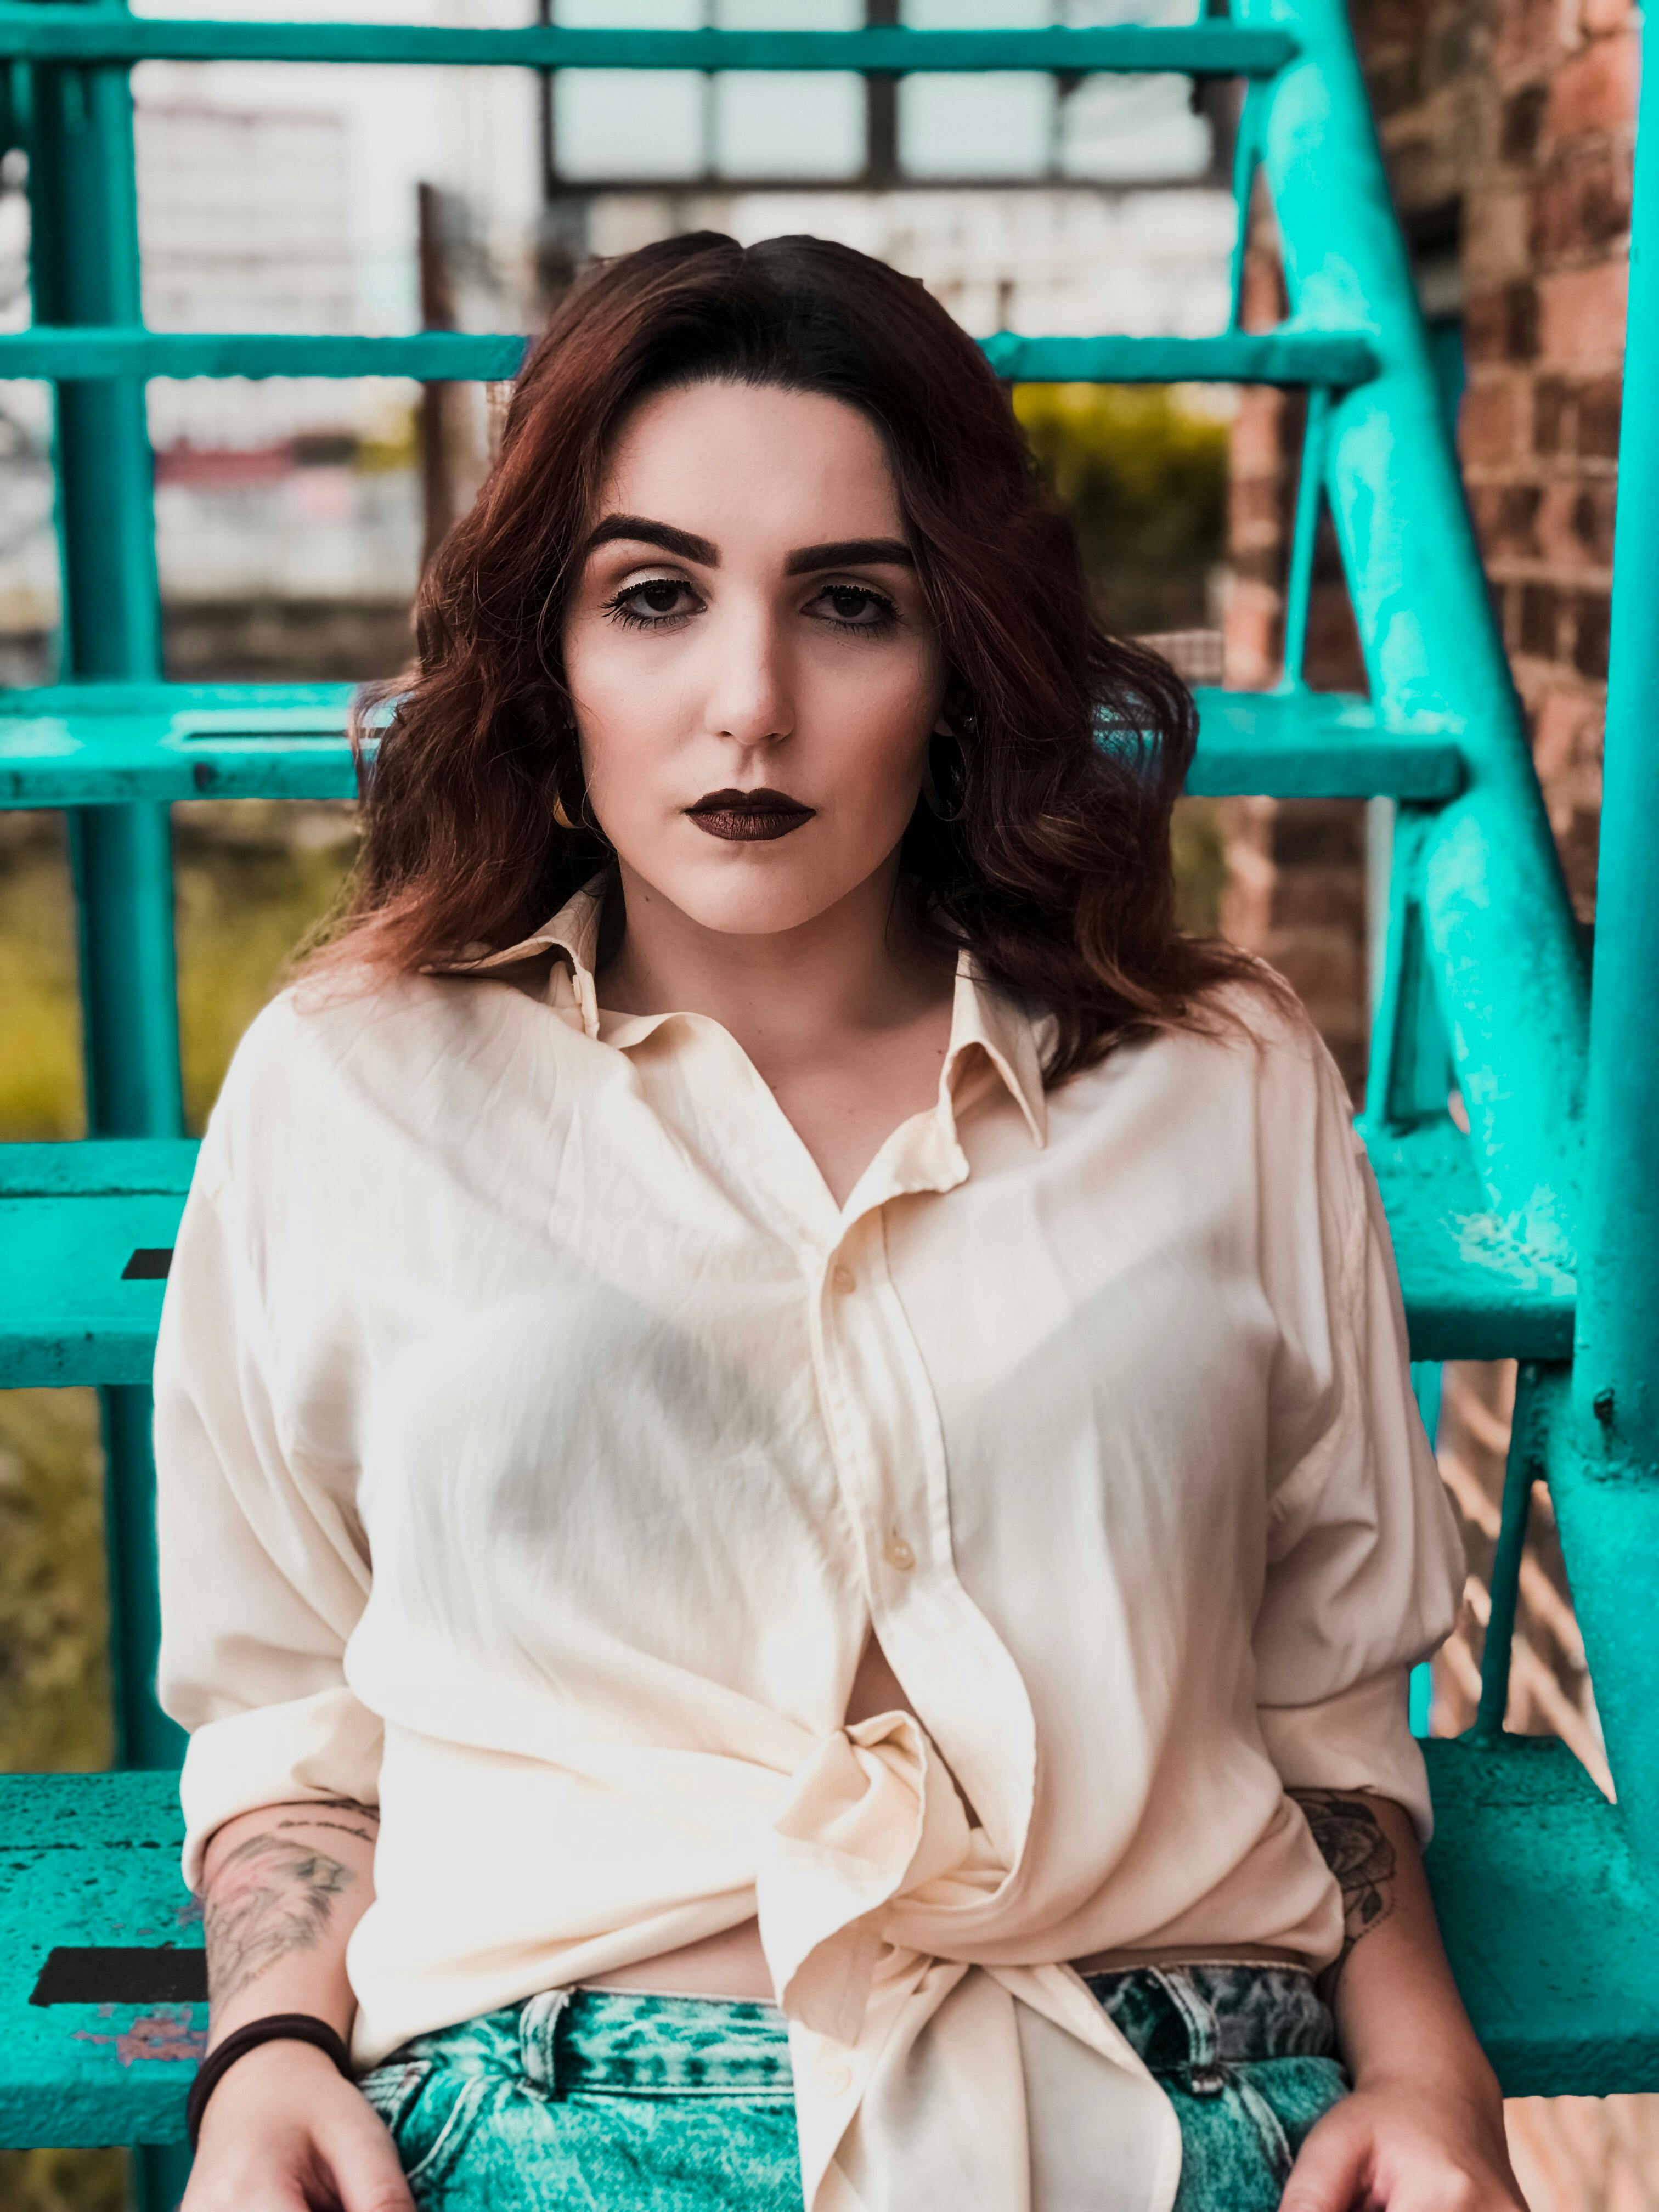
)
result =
(857, 606)
(650, 605)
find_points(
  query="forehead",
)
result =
(744, 462)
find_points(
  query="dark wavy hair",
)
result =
(1054, 867)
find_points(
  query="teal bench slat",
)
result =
(91, 744)
(72, 1218)
(45, 31)
(89, 1864)
(1551, 1933)
(1471, 1290)
(1550, 1929)
(1288, 357)
(73, 1215)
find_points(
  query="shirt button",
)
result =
(898, 1553)
(842, 1278)
(834, 2077)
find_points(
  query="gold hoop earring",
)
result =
(561, 817)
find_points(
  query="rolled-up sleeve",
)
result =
(1365, 1570)
(263, 1568)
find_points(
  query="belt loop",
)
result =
(1193, 2004)
(539, 2025)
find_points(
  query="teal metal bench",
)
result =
(87, 1228)
(114, 744)
(1533, 1234)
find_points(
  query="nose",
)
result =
(749, 699)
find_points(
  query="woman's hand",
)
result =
(284, 2132)
(1423, 2131)
(1406, 2145)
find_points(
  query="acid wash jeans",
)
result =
(615, 2101)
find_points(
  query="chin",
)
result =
(737, 898)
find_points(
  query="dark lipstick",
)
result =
(750, 816)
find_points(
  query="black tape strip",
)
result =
(84, 1974)
(148, 1264)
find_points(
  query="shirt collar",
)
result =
(983, 1018)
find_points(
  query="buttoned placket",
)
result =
(881, 1418)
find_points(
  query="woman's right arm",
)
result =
(265, 1572)
(282, 1887)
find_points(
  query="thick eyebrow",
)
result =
(840, 553)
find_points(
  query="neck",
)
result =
(856, 966)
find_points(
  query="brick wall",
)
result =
(1519, 116)
(1508, 128)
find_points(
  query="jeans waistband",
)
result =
(629, 2043)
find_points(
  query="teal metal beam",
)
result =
(84, 269)
(1608, 1494)
(1499, 926)
(107, 744)
(1286, 356)
(55, 32)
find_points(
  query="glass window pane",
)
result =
(977, 15)
(1139, 129)
(789, 15)
(999, 124)
(772, 123)
(628, 123)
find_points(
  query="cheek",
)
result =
(622, 706)
(874, 737)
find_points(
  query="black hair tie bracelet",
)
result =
(277, 2026)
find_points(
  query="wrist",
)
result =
(1460, 2076)
(288, 2033)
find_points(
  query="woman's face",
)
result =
(755, 672)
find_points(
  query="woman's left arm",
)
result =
(1423, 2128)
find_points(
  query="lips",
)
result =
(749, 816)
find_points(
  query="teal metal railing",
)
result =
(1518, 1238)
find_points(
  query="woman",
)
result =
(792, 1523)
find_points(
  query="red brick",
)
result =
(1495, 236)
(1598, 404)
(1582, 202)
(1540, 622)
(1483, 326)
(1506, 518)
(1257, 443)
(1529, 32)
(1395, 82)
(1487, 422)
(1553, 415)
(1575, 524)
(1566, 729)
(1594, 90)
(1522, 121)
(1582, 315)
(1592, 522)
(1590, 648)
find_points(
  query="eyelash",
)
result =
(619, 611)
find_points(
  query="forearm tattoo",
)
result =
(272, 1896)
(1351, 1838)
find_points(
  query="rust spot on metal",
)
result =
(166, 2034)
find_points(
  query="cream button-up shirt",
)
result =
(537, 1442)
